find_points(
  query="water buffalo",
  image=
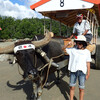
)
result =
(34, 58)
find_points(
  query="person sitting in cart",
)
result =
(82, 27)
(79, 65)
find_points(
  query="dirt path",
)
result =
(10, 90)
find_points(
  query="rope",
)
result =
(57, 56)
(49, 62)
(19, 70)
(49, 65)
(35, 61)
(47, 73)
(43, 67)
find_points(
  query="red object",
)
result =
(93, 1)
(75, 37)
(41, 2)
(0, 28)
(25, 46)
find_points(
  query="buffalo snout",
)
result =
(32, 74)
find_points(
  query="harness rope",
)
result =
(49, 65)
(19, 70)
(40, 69)
(49, 62)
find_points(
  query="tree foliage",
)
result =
(27, 28)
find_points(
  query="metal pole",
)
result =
(60, 28)
(50, 25)
(93, 28)
(88, 15)
(44, 25)
(66, 31)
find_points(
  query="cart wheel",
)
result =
(97, 57)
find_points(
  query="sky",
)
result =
(19, 9)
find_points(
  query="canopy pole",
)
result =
(95, 32)
(90, 19)
(99, 9)
(66, 31)
(96, 28)
(50, 25)
(93, 28)
(60, 28)
(44, 25)
(88, 13)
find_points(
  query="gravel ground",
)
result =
(11, 90)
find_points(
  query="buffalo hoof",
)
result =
(58, 81)
(32, 97)
(47, 85)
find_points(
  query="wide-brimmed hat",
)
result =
(82, 39)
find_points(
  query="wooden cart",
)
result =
(65, 12)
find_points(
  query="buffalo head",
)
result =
(25, 52)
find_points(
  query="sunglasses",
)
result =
(79, 15)
(79, 43)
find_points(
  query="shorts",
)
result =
(81, 79)
(88, 37)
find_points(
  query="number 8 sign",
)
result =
(61, 3)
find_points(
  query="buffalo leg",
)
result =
(39, 93)
(58, 77)
(34, 94)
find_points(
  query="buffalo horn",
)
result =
(7, 49)
(10, 47)
(44, 41)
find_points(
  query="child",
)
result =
(79, 65)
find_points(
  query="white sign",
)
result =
(57, 5)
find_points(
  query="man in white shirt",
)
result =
(82, 27)
(79, 65)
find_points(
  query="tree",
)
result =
(27, 28)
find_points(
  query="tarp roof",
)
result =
(57, 5)
(65, 11)
(93, 1)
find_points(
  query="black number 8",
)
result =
(61, 3)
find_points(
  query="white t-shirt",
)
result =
(78, 59)
(80, 29)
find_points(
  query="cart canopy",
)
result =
(65, 11)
